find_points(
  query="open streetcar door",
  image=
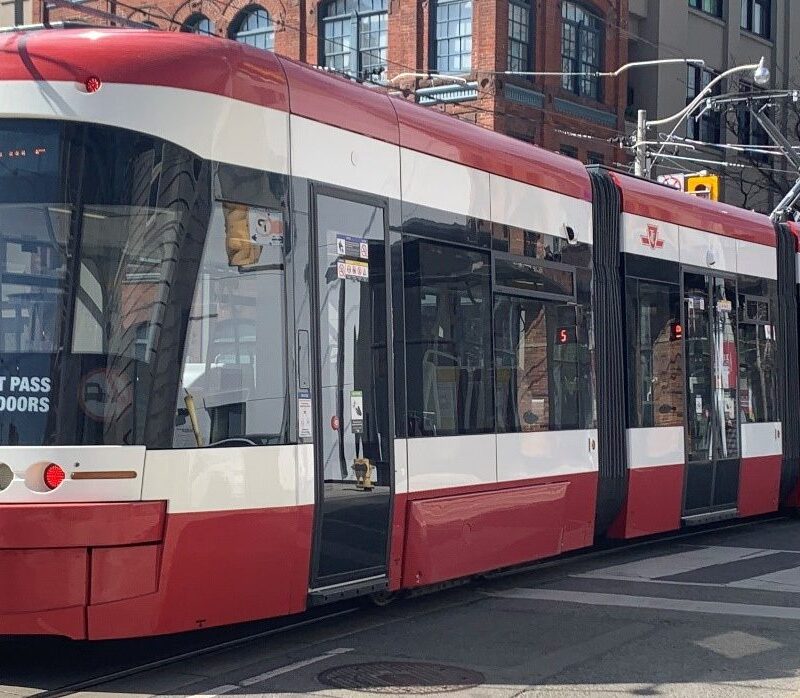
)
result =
(353, 410)
(712, 374)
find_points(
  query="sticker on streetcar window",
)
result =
(265, 226)
(103, 394)
(24, 393)
(357, 411)
(724, 306)
(304, 422)
(352, 269)
(349, 246)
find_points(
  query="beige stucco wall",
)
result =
(7, 12)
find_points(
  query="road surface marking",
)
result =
(659, 604)
(652, 568)
(258, 678)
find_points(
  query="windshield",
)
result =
(93, 225)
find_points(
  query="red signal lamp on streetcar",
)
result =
(93, 84)
(53, 475)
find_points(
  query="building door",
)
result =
(354, 470)
(712, 371)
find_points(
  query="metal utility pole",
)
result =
(19, 13)
(776, 135)
(779, 214)
(641, 145)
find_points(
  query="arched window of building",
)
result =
(355, 36)
(198, 23)
(253, 26)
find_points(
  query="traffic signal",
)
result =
(704, 187)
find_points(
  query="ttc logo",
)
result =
(652, 239)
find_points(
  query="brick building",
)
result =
(472, 40)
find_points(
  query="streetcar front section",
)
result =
(143, 339)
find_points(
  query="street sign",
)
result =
(676, 181)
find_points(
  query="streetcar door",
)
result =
(354, 470)
(712, 370)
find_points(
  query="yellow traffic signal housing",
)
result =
(705, 187)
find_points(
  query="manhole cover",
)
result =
(401, 677)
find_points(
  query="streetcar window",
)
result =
(533, 276)
(543, 365)
(234, 383)
(655, 355)
(33, 238)
(95, 223)
(757, 351)
(448, 340)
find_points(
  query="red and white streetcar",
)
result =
(270, 338)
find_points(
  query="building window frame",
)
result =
(569, 151)
(198, 23)
(442, 16)
(355, 19)
(757, 17)
(709, 127)
(520, 53)
(750, 131)
(241, 32)
(709, 7)
(585, 38)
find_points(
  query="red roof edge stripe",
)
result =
(361, 109)
(438, 134)
(141, 57)
(658, 202)
(337, 101)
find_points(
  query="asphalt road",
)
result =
(717, 614)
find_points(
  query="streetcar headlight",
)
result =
(6, 476)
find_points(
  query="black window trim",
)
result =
(710, 119)
(235, 28)
(748, 8)
(718, 13)
(354, 16)
(433, 53)
(598, 93)
(192, 23)
(530, 58)
(500, 289)
(743, 300)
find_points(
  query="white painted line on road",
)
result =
(218, 691)
(783, 581)
(258, 678)
(293, 667)
(651, 568)
(659, 604)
